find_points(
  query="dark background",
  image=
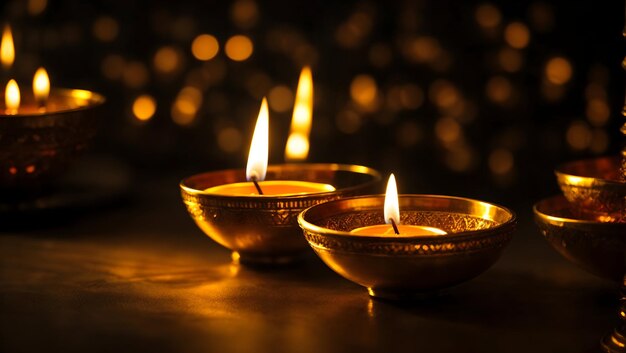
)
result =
(459, 108)
(448, 95)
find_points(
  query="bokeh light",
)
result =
(239, 48)
(135, 74)
(558, 70)
(517, 35)
(36, 7)
(501, 161)
(244, 13)
(229, 140)
(205, 47)
(364, 92)
(488, 16)
(167, 60)
(144, 107)
(280, 98)
(578, 135)
(499, 89)
(186, 106)
(112, 67)
(105, 28)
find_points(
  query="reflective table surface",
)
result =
(142, 277)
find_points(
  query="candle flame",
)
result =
(12, 97)
(392, 208)
(7, 50)
(259, 148)
(297, 148)
(41, 85)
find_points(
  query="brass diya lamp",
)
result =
(434, 243)
(41, 133)
(254, 212)
(587, 225)
(597, 246)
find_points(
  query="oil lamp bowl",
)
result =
(594, 189)
(36, 147)
(263, 230)
(400, 268)
(598, 247)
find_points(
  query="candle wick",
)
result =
(256, 185)
(395, 227)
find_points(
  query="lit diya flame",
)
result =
(297, 148)
(392, 208)
(12, 97)
(392, 217)
(259, 148)
(7, 49)
(41, 86)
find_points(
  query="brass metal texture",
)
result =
(409, 267)
(264, 229)
(594, 188)
(36, 148)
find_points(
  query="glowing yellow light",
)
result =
(392, 207)
(297, 148)
(186, 105)
(144, 107)
(558, 70)
(81, 94)
(205, 47)
(259, 148)
(12, 97)
(41, 85)
(517, 35)
(7, 49)
(363, 90)
(167, 60)
(239, 48)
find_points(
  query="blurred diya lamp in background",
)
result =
(41, 134)
(598, 247)
(594, 189)
(407, 247)
(254, 212)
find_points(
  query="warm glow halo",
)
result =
(41, 85)
(259, 148)
(392, 208)
(12, 96)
